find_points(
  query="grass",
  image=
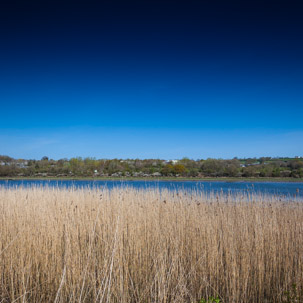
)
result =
(163, 178)
(128, 245)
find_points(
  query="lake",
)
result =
(272, 188)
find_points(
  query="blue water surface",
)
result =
(273, 188)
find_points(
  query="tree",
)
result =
(167, 169)
(179, 169)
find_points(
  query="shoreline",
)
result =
(175, 179)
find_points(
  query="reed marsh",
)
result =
(130, 245)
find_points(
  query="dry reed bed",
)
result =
(127, 245)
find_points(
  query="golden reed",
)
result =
(128, 245)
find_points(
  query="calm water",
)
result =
(275, 188)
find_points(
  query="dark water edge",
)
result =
(193, 179)
(288, 189)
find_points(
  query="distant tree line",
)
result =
(91, 167)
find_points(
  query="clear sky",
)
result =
(151, 79)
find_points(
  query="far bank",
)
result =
(219, 179)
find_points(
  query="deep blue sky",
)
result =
(151, 79)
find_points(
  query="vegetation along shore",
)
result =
(162, 178)
(264, 168)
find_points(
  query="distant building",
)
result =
(172, 161)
